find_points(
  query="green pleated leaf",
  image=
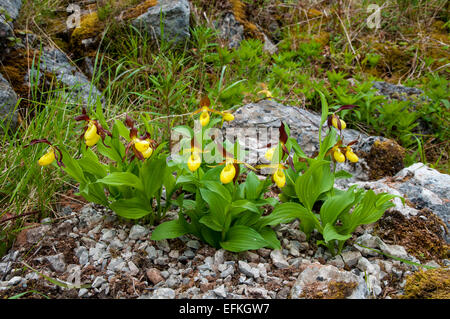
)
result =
(122, 179)
(270, 236)
(152, 175)
(285, 213)
(168, 230)
(131, 208)
(315, 181)
(210, 222)
(241, 238)
(330, 233)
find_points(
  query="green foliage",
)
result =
(104, 11)
(134, 189)
(311, 185)
(224, 216)
(340, 213)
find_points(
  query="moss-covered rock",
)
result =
(429, 284)
(385, 158)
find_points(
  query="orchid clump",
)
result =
(131, 187)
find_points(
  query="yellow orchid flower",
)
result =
(141, 145)
(47, 158)
(93, 130)
(352, 157)
(228, 173)
(277, 171)
(204, 110)
(91, 136)
(268, 95)
(194, 161)
(338, 156)
(92, 141)
(148, 152)
(204, 117)
(279, 178)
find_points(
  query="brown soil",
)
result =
(421, 238)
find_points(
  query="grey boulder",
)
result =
(173, 15)
(8, 101)
(327, 281)
(81, 89)
(230, 30)
(257, 124)
(425, 187)
(9, 10)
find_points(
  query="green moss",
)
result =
(430, 284)
(385, 159)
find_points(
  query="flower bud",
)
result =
(334, 121)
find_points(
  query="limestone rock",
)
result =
(175, 19)
(81, 88)
(9, 10)
(163, 293)
(56, 262)
(257, 124)
(421, 185)
(326, 281)
(230, 30)
(8, 100)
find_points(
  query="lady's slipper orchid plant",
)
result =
(93, 130)
(231, 170)
(49, 157)
(204, 109)
(142, 146)
(341, 153)
(278, 176)
(334, 120)
(338, 152)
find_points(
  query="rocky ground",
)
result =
(104, 257)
